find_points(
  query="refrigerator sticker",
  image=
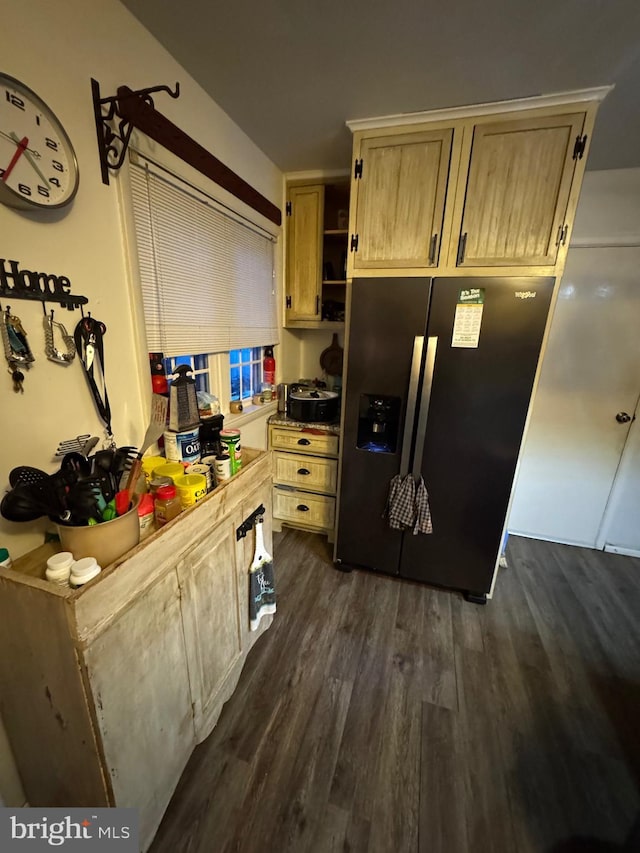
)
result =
(468, 319)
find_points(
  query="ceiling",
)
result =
(291, 72)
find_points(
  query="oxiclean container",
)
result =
(182, 446)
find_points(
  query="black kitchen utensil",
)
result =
(20, 504)
(123, 459)
(28, 502)
(83, 500)
(76, 463)
(24, 475)
(101, 464)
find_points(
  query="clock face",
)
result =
(38, 166)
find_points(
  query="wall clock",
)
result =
(38, 166)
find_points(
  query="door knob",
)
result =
(623, 418)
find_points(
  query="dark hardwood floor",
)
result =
(380, 715)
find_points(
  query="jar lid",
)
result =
(62, 560)
(4, 554)
(85, 577)
(165, 493)
(84, 566)
(160, 481)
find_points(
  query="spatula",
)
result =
(157, 425)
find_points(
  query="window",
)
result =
(199, 364)
(246, 372)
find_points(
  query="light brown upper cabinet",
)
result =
(519, 178)
(488, 191)
(398, 200)
(305, 217)
(316, 275)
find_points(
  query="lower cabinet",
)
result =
(305, 476)
(208, 577)
(105, 690)
(139, 683)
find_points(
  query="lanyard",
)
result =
(88, 337)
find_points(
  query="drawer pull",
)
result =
(304, 471)
(303, 441)
(302, 508)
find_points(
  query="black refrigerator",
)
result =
(438, 384)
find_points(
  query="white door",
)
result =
(590, 375)
(620, 530)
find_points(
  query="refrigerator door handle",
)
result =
(425, 399)
(412, 399)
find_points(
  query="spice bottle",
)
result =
(167, 505)
(146, 511)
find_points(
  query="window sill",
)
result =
(249, 413)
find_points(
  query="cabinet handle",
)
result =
(561, 239)
(432, 249)
(462, 247)
(304, 471)
(317, 304)
(302, 508)
(303, 441)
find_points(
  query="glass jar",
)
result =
(167, 505)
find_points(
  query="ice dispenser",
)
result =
(378, 420)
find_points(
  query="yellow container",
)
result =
(191, 488)
(149, 465)
(170, 469)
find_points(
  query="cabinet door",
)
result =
(304, 253)
(210, 611)
(520, 175)
(137, 670)
(400, 199)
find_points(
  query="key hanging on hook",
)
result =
(16, 347)
(64, 357)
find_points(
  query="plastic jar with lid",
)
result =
(83, 571)
(155, 484)
(167, 506)
(59, 568)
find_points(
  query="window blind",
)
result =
(207, 278)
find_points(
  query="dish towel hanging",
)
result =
(408, 505)
(262, 591)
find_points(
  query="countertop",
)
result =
(280, 419)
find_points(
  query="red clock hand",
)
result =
(24, 142)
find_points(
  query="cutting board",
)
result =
(331, 358)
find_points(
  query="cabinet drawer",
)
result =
(315, 511)
(304, 442)
(306, 472)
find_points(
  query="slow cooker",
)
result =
(312, 404)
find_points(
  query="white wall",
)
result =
(59, 49)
